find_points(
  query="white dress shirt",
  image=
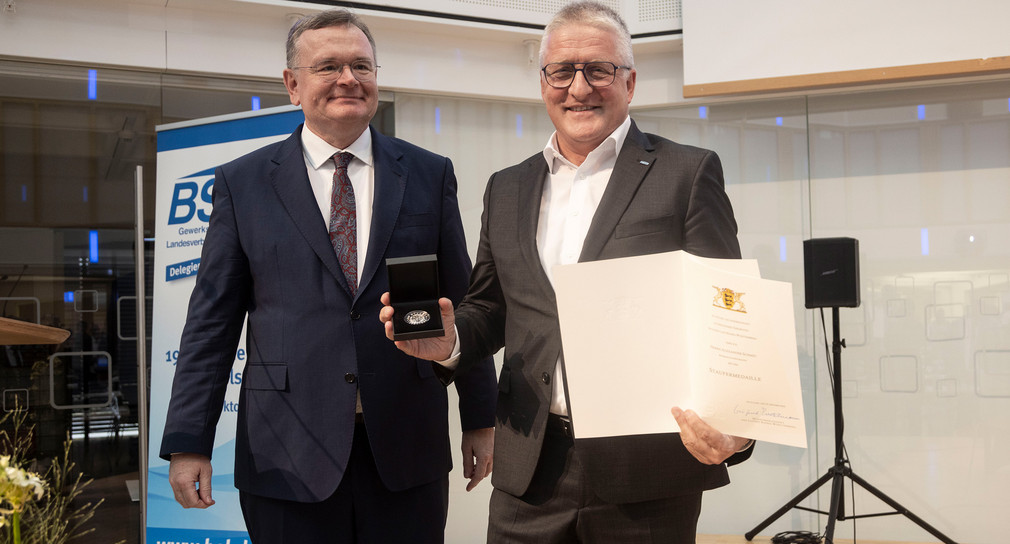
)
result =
(361, 170)
(571, 195)
(569, 201)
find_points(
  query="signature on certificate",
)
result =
(759, 412)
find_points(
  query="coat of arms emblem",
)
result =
(728, 299)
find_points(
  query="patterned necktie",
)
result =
(343, 225)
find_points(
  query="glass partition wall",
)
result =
(71, 139)
(920, 176)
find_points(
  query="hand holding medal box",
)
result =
(413, 293)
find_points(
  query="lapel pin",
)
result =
(643, 162)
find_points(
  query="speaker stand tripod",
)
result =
(837, 473)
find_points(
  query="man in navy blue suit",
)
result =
(341, 437)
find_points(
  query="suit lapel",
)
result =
(291, 183)
(530, 197)
(633, 163)
(390, 185)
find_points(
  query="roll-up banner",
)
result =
(188, 153)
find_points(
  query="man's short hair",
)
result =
(596, 14)
(324, 19)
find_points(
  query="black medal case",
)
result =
(413, 293)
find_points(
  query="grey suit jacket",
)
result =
(662, 196)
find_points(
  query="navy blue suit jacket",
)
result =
(310, 345)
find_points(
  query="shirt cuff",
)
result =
(746, 446)
(453, 361)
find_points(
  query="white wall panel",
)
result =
(641, 16)
(245, 38)
(102, 31)
(737, 40)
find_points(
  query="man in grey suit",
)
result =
(601, 189)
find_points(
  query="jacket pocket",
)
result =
(648, 226)
(265, 376)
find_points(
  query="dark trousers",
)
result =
(560, 508)
(361, 511)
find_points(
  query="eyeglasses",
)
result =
(362, 70)
(560, 75)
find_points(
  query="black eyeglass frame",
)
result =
(575, 73)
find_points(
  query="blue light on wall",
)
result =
(255, 103)
(85, 194)
(92, 84)
(778, 121)
(702, 112)
(925, 241)
(68, 297)
(519, 125)
(922, 111)
(782, 248)
(24, 193)
(93, 246)
(438, 120)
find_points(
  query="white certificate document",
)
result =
(643, 334)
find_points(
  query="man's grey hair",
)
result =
(593, 14)
(323, 19)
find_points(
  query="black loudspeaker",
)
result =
(831, 272)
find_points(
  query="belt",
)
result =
(559, 425)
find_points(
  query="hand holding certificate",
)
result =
(707, 335)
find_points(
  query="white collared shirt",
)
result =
(361, 170)
(570, 199)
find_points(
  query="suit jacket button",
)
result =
(350, 377)
(355, 314)
(546, 378)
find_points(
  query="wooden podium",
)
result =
(14, 332)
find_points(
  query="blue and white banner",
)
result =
(188, 153)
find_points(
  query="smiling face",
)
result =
(338, 111)
(583, 115)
